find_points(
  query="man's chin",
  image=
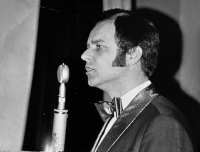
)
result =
(91, 84)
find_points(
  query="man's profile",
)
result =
(121, 55)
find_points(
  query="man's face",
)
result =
(99, 56)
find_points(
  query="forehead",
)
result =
(103, 31)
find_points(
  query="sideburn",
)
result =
(120, 59)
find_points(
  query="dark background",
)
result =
(62, 34)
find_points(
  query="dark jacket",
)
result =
(150, 123)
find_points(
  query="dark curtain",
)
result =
(62, 36)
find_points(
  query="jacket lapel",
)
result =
(127, 117)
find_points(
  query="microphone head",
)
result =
(63, 73)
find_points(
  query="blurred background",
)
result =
(36, 36)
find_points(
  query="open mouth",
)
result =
(88, 69)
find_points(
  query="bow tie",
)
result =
(106, 109)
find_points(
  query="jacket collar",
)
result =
(127, 117)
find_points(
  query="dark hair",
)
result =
(131, 31)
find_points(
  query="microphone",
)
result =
(60, 114)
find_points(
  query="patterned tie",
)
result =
(106, 109)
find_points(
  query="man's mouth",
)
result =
(88, 69)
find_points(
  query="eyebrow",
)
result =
(95, 41)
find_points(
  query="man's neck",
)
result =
(120, 88)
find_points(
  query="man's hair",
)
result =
(132, 31)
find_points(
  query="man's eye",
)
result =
(99, 46)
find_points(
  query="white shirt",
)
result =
(126, 99)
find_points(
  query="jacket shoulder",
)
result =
(164, 107)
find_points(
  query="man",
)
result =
(121, 55)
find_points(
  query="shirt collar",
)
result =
(128, 97)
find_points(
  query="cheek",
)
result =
(104, 59)
(120, 60)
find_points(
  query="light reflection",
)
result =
(47, 145)
(48, 148)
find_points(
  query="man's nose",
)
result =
(86, 56)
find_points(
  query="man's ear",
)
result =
(133, 56)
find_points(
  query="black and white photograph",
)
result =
(100, 75)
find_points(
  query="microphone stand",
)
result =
(60, 114)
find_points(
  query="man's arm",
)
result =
(165, 134)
